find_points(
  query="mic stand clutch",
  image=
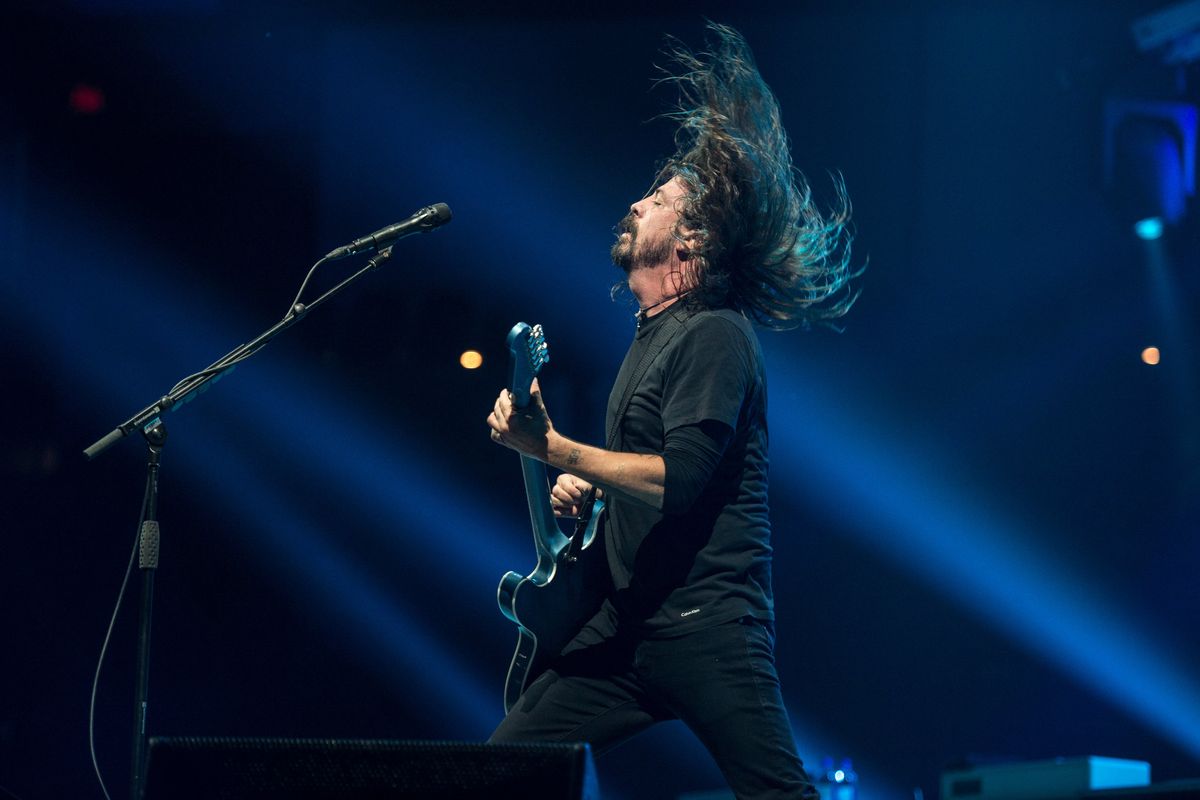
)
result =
(149, 422)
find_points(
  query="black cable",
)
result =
(304, 284)
(107, 638)
(228, 360)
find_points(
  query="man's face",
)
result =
(645, 236)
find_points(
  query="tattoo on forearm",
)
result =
(573, 456)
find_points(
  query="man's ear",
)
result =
(686, 243)
(686, 249)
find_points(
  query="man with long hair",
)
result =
(728, 237)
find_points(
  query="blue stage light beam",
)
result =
(320, 432)
(308, 421)
(900, 501)
(1090, 349)
(517, 203)
(399, 647)
(423, 135)
(381, 627)
(57, 304)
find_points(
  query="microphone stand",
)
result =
(149, 422)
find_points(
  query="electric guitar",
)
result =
(551, 603)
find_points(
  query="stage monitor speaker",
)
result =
(193, 768)
(1051, 779)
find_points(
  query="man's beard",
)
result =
(626, 255)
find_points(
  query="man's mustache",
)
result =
(626, 225)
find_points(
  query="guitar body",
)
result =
(551, 604)
(569, 582)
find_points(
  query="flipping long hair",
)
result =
(758, 242)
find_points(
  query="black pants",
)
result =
(721, 682)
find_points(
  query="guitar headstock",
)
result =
(527, 354)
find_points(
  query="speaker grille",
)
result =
(197, 768)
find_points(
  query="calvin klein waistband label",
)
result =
(689, 613)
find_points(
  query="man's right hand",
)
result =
(566, 496)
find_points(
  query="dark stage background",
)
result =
(985, 504)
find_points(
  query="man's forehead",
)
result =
(672, 188)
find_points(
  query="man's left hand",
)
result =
(526, 430)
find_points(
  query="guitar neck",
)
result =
(546, 533)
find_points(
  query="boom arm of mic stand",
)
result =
(200, 381)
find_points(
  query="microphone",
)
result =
(426, 219)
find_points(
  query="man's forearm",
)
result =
(635, 475)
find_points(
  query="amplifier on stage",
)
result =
(201, 768)
(1057, 779)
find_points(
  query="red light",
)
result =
(86, 99)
